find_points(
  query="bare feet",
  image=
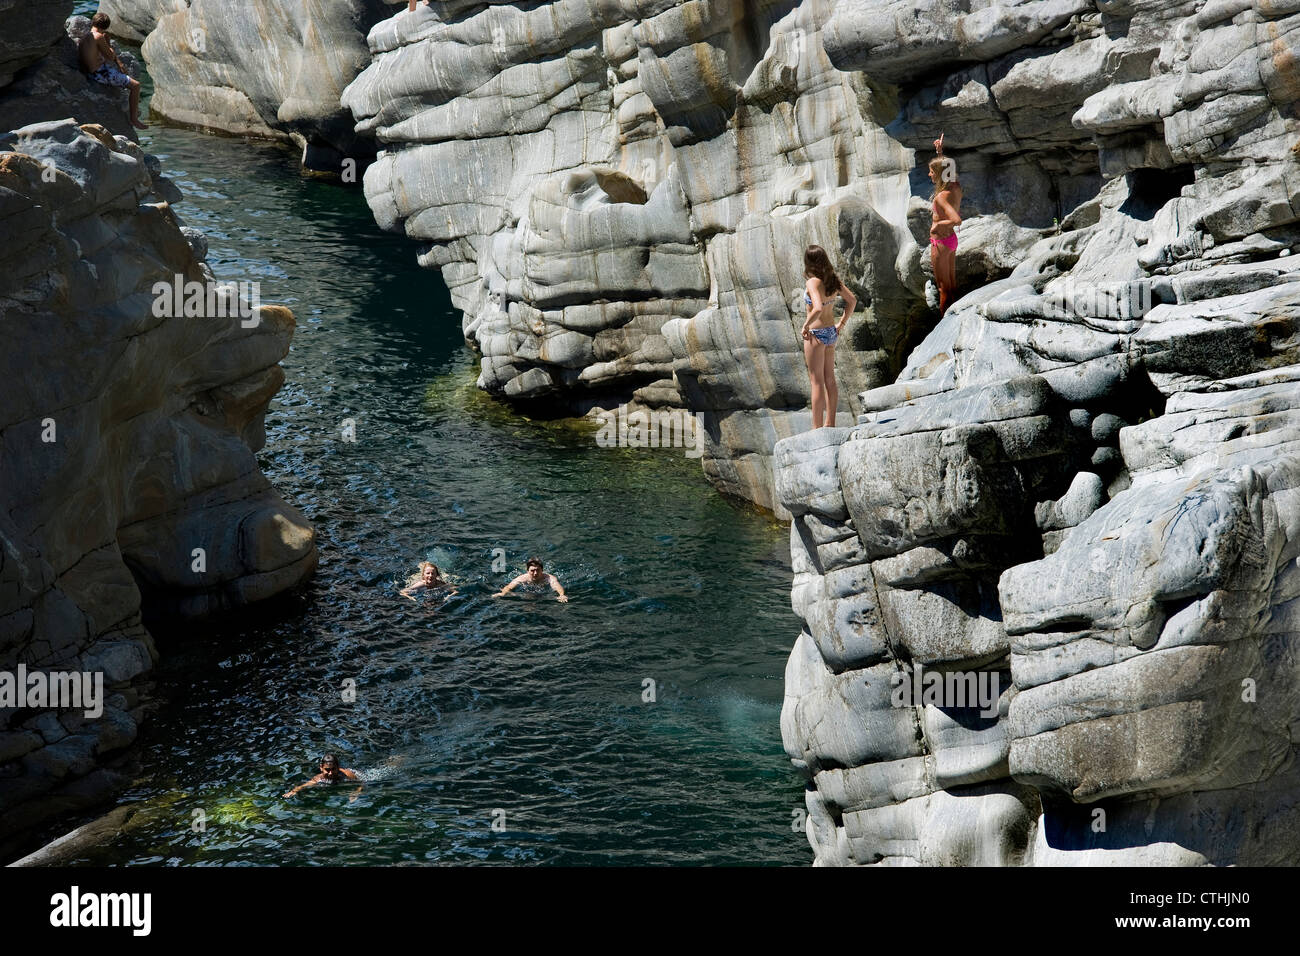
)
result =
(135, 121)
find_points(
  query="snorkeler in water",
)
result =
(330, 772)
(431, 579)
(536, 577)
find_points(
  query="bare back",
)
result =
(826, 314)
(92, 58)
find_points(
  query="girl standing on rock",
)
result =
(945, 217)
(821, 332)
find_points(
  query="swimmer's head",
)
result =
(329, 765)
(429, 572)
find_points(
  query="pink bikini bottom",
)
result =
(948, 242)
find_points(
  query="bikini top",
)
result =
(807, 298)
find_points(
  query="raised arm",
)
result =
(558, 588)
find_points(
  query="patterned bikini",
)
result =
(826, 336)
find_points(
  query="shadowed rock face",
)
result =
(275, 70)
(1086, 476)
(40, 75)
(127, 443)
(29, 36)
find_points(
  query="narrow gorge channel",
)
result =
(533, 709)
(1043, 560)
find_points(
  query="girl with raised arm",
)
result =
(821, 331)
(945, 217)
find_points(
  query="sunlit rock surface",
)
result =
(1082, 481)
(133, 20)
(250, 67)
(127, 450)
(1087, 478)
(619, 195)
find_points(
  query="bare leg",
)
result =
(135, 105)
(811, 349)
(934, 267)
(946, 276)
(832, 389)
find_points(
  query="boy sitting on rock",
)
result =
(100, 60)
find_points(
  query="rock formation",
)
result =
(641, 240)
(641, 237)
(1083, 481)
(133, 20)
(128, 432)
(1086, 479)
(252, 68)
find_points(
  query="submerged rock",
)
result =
(128, 474)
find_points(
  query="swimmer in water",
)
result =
(536, 577)
(330, 772)
(431, 579)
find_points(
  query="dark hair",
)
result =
(817, 264)
(330, 759)
(531, 561)
(101, 21)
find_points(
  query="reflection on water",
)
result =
(520, 723)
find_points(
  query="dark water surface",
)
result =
(520, 711)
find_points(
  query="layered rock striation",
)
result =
(250, 68)
(1081, 484)
(619, 195)
(1085, 480)
(128, 433)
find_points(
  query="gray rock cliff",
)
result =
(128, 476)
(1081, 483)
(250, 68)
(1085, 480)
